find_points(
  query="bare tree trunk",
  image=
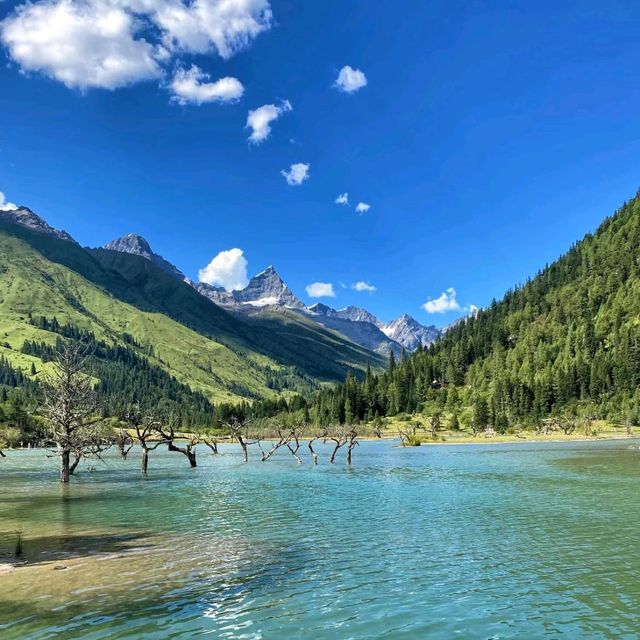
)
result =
(245, 450)
(294, 449)
(188, 451)
(352, 444)
(282, 442)
(339, 444)
(2, 455)
(65, 472)
(75, 463)
(213, 446)
(145, 460)
(314, 455)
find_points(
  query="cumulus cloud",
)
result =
(228, 269)
(190, 87)
(321, 290)
(113, 43)
(259, 120)
(362, 207)
(343, 198)
(364, 286)
(6, 206)
(201, 26)
(297, 174)
(446, 301)
(350, 80)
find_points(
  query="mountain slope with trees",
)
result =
(566, 343)
(126, 301)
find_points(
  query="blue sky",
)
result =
(488, 138)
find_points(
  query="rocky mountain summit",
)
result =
(27, 218)
(410, 333)
(138, 246)
(266, 289)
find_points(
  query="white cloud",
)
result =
(446, 301)
(81, 44)
(364, 286)
(228, 269)
(320, 290)
(343, 198)
(189, 87)
(297, 174)
(6, 206)
(112, 43)
(260, 119)
(362, 207)
(350, 80)
(201, 26)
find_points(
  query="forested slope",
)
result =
(565, 342)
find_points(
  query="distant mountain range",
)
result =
(141, 309)
(266, 305)
(268, 291)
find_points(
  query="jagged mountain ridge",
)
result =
(268, 291)
(136, 245)
(27, 218)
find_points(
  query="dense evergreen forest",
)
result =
(566, 343)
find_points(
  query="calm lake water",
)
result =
(487, 542)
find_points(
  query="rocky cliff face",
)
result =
(410, 333)
(268, 289)
(138, 246)
(357, 314)
(215, 294)
(27, 218)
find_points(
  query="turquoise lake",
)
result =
(474, 542)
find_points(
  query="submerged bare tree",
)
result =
(318, 435)
(71, 407)
(283, 440)
(352, 442)
(210, 442)
(338, 436)
(168, 433)
(145, 429)
(239, 429)
(294, 442)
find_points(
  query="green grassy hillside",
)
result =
(116, 296)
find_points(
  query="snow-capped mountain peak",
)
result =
(408, 332)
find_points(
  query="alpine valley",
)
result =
(196, 343)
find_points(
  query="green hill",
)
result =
(126, 301)
(566, 343)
